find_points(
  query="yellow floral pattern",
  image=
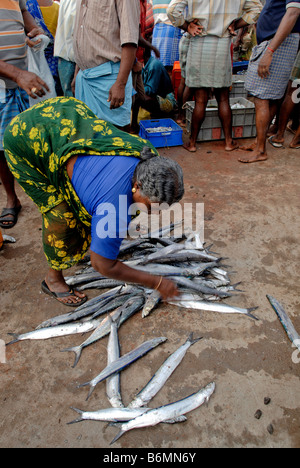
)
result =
(38, 143)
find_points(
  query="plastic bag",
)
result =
(37, 64)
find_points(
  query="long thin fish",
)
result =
(123, 362)
(53, 332)
(152, 301)
(199, 287)
(113, 353)
(161, 376)
(109, 414)
(103, 329)
(222, 308)
(285, 321)
(167, 412)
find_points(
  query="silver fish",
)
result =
(167, 412)
(151, 302)
(162, 375)
(285, 321)
(171, 270)
(123, 362)
(53, 332)
(103, 329)
(83, 278)
(222, 308)
(113, 353)
(100, 284)
(199, 287)
(109, 414)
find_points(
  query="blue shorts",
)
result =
(92, 87)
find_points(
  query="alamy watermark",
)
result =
(296, 93)
(112, 220)
(2, 352)
(296, 353)
(2, 92)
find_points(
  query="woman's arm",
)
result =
(118, 271)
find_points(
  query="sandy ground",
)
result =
(252, 219)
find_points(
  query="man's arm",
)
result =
(26, 80)
(116, 95)
(285, 28)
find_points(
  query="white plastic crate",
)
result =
(238, 87)
(243, 120)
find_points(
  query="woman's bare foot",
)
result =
(257, 156)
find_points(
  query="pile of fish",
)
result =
(203, 284)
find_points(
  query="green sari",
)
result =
(37, 144)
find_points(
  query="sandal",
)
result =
(275, 143)
(61, 295)
(9, 215)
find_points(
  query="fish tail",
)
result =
(193, 340)
(92, 388)
(234, 286)
(77, 350)
(250, 314)
(117, 437)
(15, 335)
(76, 420)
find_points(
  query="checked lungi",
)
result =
(209, 62)
(295, 75)
(166, 39)
(274, 86)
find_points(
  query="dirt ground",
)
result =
(252, 219)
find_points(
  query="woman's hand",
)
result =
(167, 289)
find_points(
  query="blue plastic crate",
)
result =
(161, 139)
(240, 66)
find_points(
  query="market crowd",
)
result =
(117, 57)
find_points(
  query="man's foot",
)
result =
(257, 156)
(276, 141)
(189, 147)
(9, 216)
(295, 145)
(248, 147)
(64, 294)
(231, 146)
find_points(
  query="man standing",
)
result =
(16, 84)
(106, 36)
(270, 66)
(166, 37)
(211, 24)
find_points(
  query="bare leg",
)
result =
(56, 283)
(201, 99)
(295, 143)
(225, 114)
(265, 112)
(8, 182)
(180, 91)
(285, 113)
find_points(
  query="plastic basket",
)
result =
(243, 124)
(161, 139)
(238, 87)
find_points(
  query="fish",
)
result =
(152, 301)
(83, 278)
(167, 412)
(101, 284)
(285, 321)
(199, 287)
(162, 375)
(103, 329)
(53, 332)
(209, 306)
(172, 270)
(113, 392)
(108, 414)
(123, 362)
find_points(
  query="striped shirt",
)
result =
(63, 44)
(12, 36)
(160, 11)
(214, 15)
(102, 28)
